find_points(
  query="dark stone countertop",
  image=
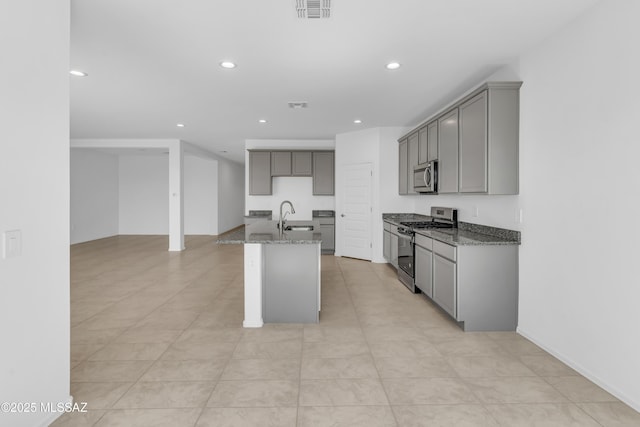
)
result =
(467, 234)
(267, 232)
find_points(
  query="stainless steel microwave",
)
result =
(425, 177)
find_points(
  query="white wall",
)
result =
(34, 184)
(200, 195)
(298, 190)
(144, 194)
(94, 195)
(579, 281)
(231, 196)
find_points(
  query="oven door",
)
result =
(405, 259)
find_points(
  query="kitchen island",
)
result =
(281, 272)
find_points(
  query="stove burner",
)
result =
(426, 224)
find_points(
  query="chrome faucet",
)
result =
(281, 221)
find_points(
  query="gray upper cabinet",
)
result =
(301, 163)
(402, 167)
(473, 145)
(412, 160)
(432, 141)
(259, 173)
(448, 152)
(281, 163)
(423, 145)
(323, 173)
(475, 142)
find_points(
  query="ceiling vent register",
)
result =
(313, 9)
(296, 105)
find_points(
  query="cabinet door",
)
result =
(259, 173)
(445, 284)
(424, 270)
(402, 167)
(412, 160)
(323, 175)
(423, 145)
(448, 152)
(328, 238)
(301, 163)
(386, 245)
(394, 250)
(432, 141)
(473, 145)
(280, 163)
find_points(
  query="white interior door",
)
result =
(356, 212)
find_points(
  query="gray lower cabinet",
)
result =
(328, 231)
(423, 263)
(301, 163)
(393, 243)
(259, 173)
(403, 158)
(412, 159)
(323, 173)
(291, 293)
(281, 163)
(386, 241)
(448, 152)
(477, 285)
(444, 284)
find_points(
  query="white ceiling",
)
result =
(155, 63)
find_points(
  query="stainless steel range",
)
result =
(440, 218)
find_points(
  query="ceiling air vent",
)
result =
(298, 104)
(313, 9)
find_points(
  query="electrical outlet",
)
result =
(11, 244)
(519, 217)
(475, 212)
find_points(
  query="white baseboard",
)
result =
(582, 371)
(252, 324)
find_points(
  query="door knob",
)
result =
(342, 215)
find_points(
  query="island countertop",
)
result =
(267, 232)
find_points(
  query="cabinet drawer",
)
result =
(447, 251)
(387, 226)
(424, 241)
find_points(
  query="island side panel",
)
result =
(253, 280)
(291, 283)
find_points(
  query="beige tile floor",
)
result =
(157, 340)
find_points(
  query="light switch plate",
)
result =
(11, 243)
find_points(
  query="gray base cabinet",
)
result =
(291, 292)
(424, 265)
(477, 285)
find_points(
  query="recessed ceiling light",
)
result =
(227, 64)
(393, 65)
(180, 125)
(78, 73)
(262, 121)
(357, 121)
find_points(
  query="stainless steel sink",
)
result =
(298, 228)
